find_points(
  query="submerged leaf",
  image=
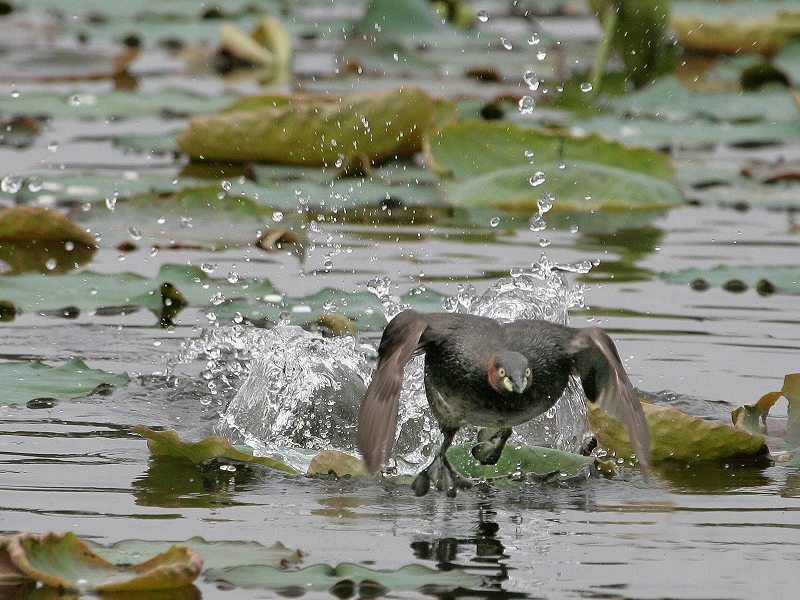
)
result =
(167, 443)
(64, 561)
(675, 435)
(314, 131)
(516, 461)
(24, 381)
(338, 464)
(325, 577)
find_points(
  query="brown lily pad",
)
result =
(339, 464)
(676, 435)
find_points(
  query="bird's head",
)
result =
(509, 373)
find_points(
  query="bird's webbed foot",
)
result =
(442, 474)
(490, 445)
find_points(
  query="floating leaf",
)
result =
(41, 239)
(215, 555)
(339, 464)
(167, 443)
(764, 34)
(87, 290)
(24, 381)
(110, 104)
(9, 573)
(753, 419)
(65, 562)
(314, 131)
(540, 462)
(485, 164)
(365, 582)
(764, 279)
(269, 44)
(675, 435)
(669, 99)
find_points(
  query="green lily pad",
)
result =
(764, 279)
(167, 443)
(87, 290)
(24, 381)
(110, 104)
(675, 435)
(215, 555)
(485, 164)
(524, 460)
(669, 99)
(405, 23)
(314, 131)
(65, 562)
(367, 582)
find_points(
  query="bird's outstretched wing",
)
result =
(605, 382)
(377, 417)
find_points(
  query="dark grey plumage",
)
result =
(481, 372)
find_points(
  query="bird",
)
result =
(480, 371)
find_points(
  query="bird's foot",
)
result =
(441, 473)
(490, 445)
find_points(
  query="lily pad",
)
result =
(88, 290)
(753, 419)
(215, 555)
(675, 435)
(314, 131)
(669, 99)
(43, 240)
(167, 443)
(485, 164)
(764, 279)
(110, 104)
(764, 34)
(363, 580)
(9, 573)
(339, 464)
(65, 562)
(25, 381)
(516, 461)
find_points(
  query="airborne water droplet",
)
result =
(495, 221)
(586, 87)
(526, 105)
(134, 233)
(483, 16)
(531, 80)
(207, 268)
(51, 264)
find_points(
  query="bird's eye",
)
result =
(501, 372)
(528, 372)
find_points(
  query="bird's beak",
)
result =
(514, 386)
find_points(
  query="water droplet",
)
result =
(329, 306)
(495, 221)
(562, 165)
(515, 272)
(277, 216)
(207, 268)
(161, 220)
(238, 317)
(526, 105)
(537, 179)
(111, 202)
(541, 55)
(483, 16)
(528, 153)
(11, 184)
(51, 264)
(328, 264)
(217, 299)
(531, 80)
(69, 246)
(506, 44)
(157, 343)
(545, 202)
(573, 228)
(52, 146)
(35, 184)
(15, 94)
(153, 251)
(586, 87)
(93, 292)
(82, 100)
(233, 277)
(534, 39)
(537, 223)
(544, 242)
(588, 196)
(225, 185)
(134, 233)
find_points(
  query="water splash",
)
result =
(295, 391)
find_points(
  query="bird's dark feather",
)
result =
(377, 417)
